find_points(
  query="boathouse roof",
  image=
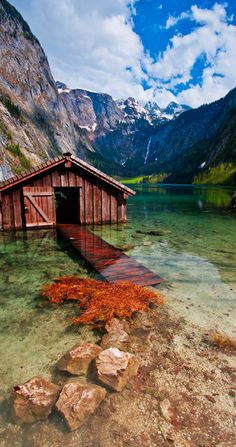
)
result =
(42, 168)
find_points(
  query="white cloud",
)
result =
(172, 20)
(92, 44)
(213, 39)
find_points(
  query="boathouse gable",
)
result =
(64, 190)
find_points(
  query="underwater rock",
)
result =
(115, 368)
(116, 325)
(77, 401)
(33, 400)
(158, 232)
(147, 243)
(115, 339)
(77, 360)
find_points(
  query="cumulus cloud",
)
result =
(212, 40)
(172, 20)
(92, 44)
(212, 17)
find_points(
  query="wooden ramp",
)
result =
(109, 261)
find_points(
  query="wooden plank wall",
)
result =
(98, 202)
(1, 226)
(7, 206)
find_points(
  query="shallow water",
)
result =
(195, 255)
(33, 334)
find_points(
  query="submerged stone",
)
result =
(157, 232)
(33, 401)
(147, 243)
(115, 368)
(77, 360)
(116, 325)
(115, 339)
(77, 401)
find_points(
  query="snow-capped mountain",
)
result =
(41, 119)
(132, 109)
(115, 129)
(153, 110)
(109, 112)
(173, 110)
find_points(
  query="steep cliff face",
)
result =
(117, 130)
(34, 123)
(40, 118)
(175, 140)
(198, 139)
(106, 128)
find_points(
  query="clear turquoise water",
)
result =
(196, 255)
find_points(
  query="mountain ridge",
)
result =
(40, 118)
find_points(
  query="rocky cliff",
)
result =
(34, 123)
(117, 130)
(40, 118)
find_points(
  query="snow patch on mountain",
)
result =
(130, 110)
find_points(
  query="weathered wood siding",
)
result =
(98, 202)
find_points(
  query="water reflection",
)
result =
(218, 196)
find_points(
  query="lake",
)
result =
(195, 254)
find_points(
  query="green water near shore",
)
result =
(33, 334)
(196, 254)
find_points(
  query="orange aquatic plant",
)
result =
(100, 301)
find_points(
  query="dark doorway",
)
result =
(67, 205)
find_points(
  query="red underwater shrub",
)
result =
(100, 301)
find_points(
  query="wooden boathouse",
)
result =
(68, 193)
(65, 190)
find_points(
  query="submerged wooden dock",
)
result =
(109, 261)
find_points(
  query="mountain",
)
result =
(177, 141)
(40, 119)
(154, 111)
(34, 123)
(197, 140)
(173, 110)
(117, 130)
(126, 110)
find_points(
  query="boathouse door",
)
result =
(67, 205)
(39, 207)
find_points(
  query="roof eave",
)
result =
(101, 174)
(14, 181)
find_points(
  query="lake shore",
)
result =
(183, 395)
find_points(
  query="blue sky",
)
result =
(183, 51)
